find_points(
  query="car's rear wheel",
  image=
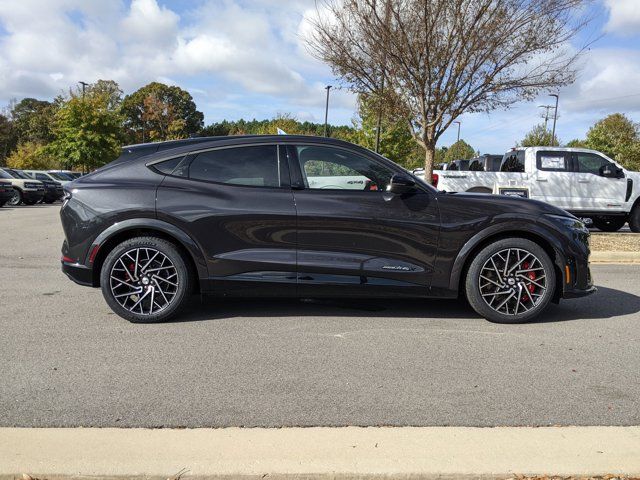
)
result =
(16, 199)
(146, 280)
(609, 224)
(510, 281)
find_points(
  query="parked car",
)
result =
(48, 176)
(52, 190)
(6, 190)
(485, 163)
(65, 174)
(240, 216)
(583, 182)
(27, 191)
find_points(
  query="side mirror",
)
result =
(611, 171)
(402, 184)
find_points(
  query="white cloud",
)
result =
(247, 48)
(624, 17)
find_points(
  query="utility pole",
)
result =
(555, 117)
(546, 114)
(458, 128)
(84, 85)
(326, 110)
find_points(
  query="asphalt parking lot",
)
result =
(68, 361)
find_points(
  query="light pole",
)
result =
(458, 129)
(555, 117)
(326, 110)
(84, 85)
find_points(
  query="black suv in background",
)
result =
(298, 216)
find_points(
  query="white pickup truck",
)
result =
(584, 182)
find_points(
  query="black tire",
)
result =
(176, 299)
(538, 299)
(634, 219)
(16, 199)
(609, 224)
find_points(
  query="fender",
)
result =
(152, 224)
(506, 227)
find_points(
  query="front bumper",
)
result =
(33, 195)
(53, 194)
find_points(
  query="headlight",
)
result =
(569, 222)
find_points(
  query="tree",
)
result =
(396, 141)
(32, 156)
(618, 137)
(460, 150)
(433, 60)
(539, 136)
(87, 129)
(32, 120)
(576, 143)
(6, 138)
(160, 112)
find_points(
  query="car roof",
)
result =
(161, 150)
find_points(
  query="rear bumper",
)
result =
(80, 274)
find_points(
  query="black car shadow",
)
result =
(605, 303)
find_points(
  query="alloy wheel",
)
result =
(512, 281)
(15, 198)
(144, 281)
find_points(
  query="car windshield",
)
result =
(19, 174)
(5, 175)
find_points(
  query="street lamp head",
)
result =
(554, 95)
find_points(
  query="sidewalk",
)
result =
(430, 452)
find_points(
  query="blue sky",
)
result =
(246, 59)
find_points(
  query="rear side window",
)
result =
(476, 166)
(513, 161)
(552, 161)
(254, 166)
(168, 167)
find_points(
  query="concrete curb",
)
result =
(348, 452)
(615, 257)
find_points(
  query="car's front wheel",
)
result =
(146, 280)
(16, 199)
(510, 281)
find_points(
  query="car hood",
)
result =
(501, 204)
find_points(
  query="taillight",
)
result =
(434, 179)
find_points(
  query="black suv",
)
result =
(298, 216)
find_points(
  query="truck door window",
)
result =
(591, 163)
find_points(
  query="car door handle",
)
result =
(583, 180)
(542, 179)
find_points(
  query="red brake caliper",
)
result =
(531, 275)
(131, 269)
